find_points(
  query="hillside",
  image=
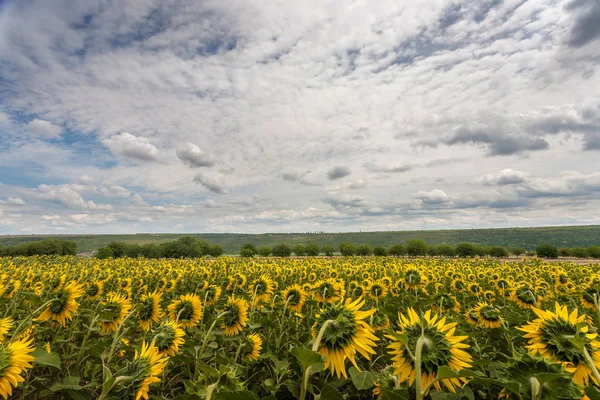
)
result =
(528, 238)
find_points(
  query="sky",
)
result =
(124, 116)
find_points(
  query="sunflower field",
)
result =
(309, 328)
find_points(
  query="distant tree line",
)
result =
(184, 247)
(45, 247)
(414, 248)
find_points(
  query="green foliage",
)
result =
(547, 251)
(498, 251)
(466, 250)
(445, 250)
(264, 251)
(380, 251)
(347, 249)
(282, 250)
(328, 250)
(184, 247)
(45, 247)
(312, 249)
(299, 250)
(248, 250)
(397, 250)
(364, 250)
(416, 247)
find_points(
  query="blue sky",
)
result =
(244, 116)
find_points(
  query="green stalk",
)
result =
(418, 357)
(536, 388)
(85, 339)
(315, 348)
(18, 330)
(210, 390)
(591, 364)
(205, 341)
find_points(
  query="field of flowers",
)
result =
(327, 328)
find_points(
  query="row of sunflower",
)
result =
(390, 328)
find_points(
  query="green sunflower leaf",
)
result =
(306, 357)
(330, 393)
(42, 357)
(592, 392)
(363, 379)
(447, 373)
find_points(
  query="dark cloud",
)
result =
(338, 172)
(374, 167)
(297, 177)
(497, 143)
(586, 25)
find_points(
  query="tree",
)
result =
(215, 250)
(579, 252)
(445, 250)
(564, 252)
(299, 250)
(364, 250)
(517, 251)
(328, 250)
(380, 251)
(594, 251)
(264, 251)
(312, 249)
(248, 250)
(547, 251)
(397, 250)
(465, 250)
(282, 250)
(347, 249)
(498, 251)
(416, 247)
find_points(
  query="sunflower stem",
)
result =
(315, 348)
(18, 330)
(118, 336)
(85, 339)
(591, 364)
(210, 390)
(205, 341)
(418, 358)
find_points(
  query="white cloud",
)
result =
(50, 217)
(191, 155)
(44, 129)
(130, 146)
(211, 182)
(505, 177)
(16, 201)
(435, 196)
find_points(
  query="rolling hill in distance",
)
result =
(527, 238)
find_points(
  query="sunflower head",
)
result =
(6, 325)
(329, 291)
(489, 316)
(345, 334)
(561, 336)
(63, 305)
(113, 310)
(187, 310)
(236, 315)
(169, 337)
(149, 310)
(14, 359)
(145, 369)
(440, 348)
(294, 297)
(251, 346)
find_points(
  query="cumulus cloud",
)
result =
(435, 196)
(211, 182)
(338, 172)
(16, 201)
(297, 177)
(392, 168)
(130, 146)
(44, 129)
(191, 155)
(497, 143)
(505, 177)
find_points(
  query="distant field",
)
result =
(527, 238)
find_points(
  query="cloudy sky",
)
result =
(280, 116)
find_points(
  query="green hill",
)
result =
(527, 238)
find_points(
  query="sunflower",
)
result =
(551, 335)
(14, 359)
(6, 325)
(8, 291)
(472, 317)
(329, 291)
(412, 278)
(445, 301)
(113, 309)
(346, 334)
(589, 297)
(94, 290)
(236, 316)
(489, 316)
(168, 337)
(149, 310)
(64, 304)
(525, 297)
(212, 294)
(377, 290)
(440, 349)
(252, 346)
(294, 297)
(146, 368)
(187, 311)
(262, 290)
